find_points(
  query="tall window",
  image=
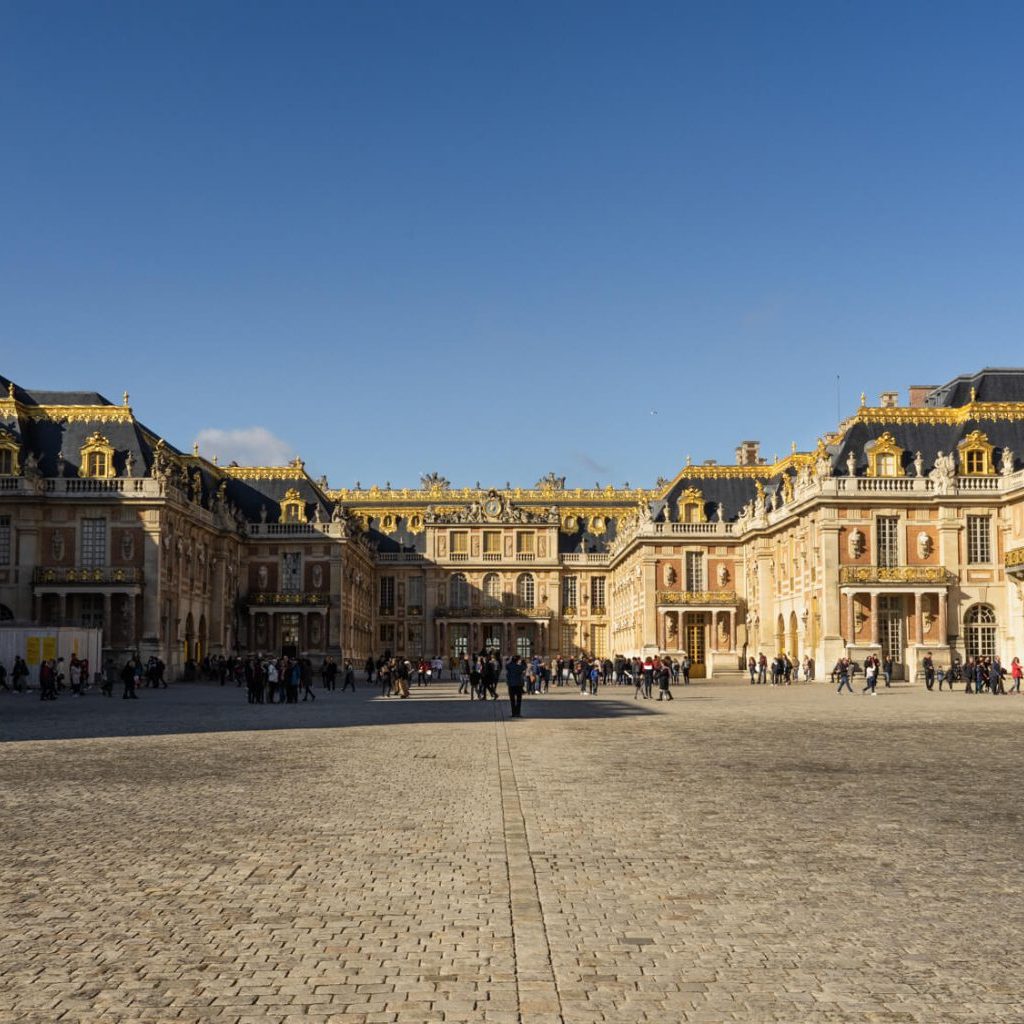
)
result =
(596, 592)
(524, 543)
(888, 541)
(492, 590)
(90, 610)
(568, 638)
(569, 592)
(291, 572)
(492, 542)
(525, 590)
(980, 631)
(460, 542)
(94, 543)
(975, 461)
(694, 571)
(459, 591)
(414, 593)
(387, 594)
(6, 462)
(979, 540)
(96, 464)
(5, 540)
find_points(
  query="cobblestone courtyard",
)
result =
(740, 854)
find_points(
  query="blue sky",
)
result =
(491, 239)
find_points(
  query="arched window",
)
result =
(525, 591)
(980, 631)
(459, 591)
(492, 590)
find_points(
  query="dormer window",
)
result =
(975, 455)
(691, 506)
(8, 454)
(97, 457)
(885, 456)
(293, 508)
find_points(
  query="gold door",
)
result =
(695, 645)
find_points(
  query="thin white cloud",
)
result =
(249, 446)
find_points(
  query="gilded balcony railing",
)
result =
(698, 597)
(876, 574)
(498, 611)
(300, 599)
(98, 575)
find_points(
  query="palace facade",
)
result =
(902, 532)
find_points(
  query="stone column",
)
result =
(875, 627)
(733, 646)
(650, 612)
(108, 619)
(942, 599)
(129, 605)
(851, 617)
(63, 609)
(919, 616)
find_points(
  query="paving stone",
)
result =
(740, 854)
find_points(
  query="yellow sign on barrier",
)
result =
(32, 650)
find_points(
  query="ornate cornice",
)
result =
(456, 496)
(293, 471)
(69, 413)
(952, 416)
(1014, 558)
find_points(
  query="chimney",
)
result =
(748, 453)
(890, 399)
(918, 393)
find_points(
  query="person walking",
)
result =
(648, 677)
(348, 678)
(870, 676)
(128, 678)
(306, 677)
(929, 670)
(1015, 674)
(843, 675)
(664, 681)
(514, 681)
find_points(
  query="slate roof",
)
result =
(993, 384)
(928, 439)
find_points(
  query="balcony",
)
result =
(289, 600)
(699, 598)
(498, 611)
(317, 530)
(399, 556)
(79, 487)
(586, 558)
(876, 575)
(103, 576)
(1014, 562)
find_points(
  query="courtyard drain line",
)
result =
(537, 993)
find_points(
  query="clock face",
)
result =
(492, 507)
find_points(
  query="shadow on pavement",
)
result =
(189, 708)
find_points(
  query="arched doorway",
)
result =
(980, 631)
(794, 641)
(6, 615)
(780, 635)
(201, 640)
